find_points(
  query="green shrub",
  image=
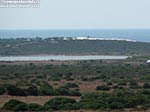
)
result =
(2, 90)
(92, 105)
(122, 83)
(145, 92)
(15, 105)
(60, 103)
(146, 85)
(71, 85)
(55, 79)
(21, 107)
(66, 92)
(46, 89)
(115, 105)
(109, 83)
(15, 91)
(103, 87)
(134, 85)
(74, 93)
(34, 107)
(119, 92)
(62, 91)
(32, 90)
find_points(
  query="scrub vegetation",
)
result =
(86, 85)
(22, 46)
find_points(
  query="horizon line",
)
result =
(81, 29)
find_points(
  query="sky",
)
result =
(79, 14)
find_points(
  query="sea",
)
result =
(142, 35)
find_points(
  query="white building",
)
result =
(81, 38)
(148, 61)
(93, 38)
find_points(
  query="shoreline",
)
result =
(71, 54)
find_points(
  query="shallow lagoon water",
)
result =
(60, 57)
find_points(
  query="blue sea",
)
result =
(135, 34)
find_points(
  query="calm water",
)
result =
(139, 35)
(58, 57)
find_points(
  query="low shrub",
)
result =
(15, 91)
(60, 103)
(32, 90)
(71, 85)
(146, 85)
(2, 90)
(15, 105)
(34, 107)
(103, 87)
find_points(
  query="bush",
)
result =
(15, 91)
(46, 89)
(122, 83)
(34, 107)
(2, 90)
(21, 107)
(103, 87)
(109, 83)
(60, 103)
(71, 85)
(66, 92)
(32, 90)
(62, 91)
(74, 93)
(15, 105)
(134, 85)
(115, 105)
(119, 92)
(55, 79)
(146, 86)
(145, 92)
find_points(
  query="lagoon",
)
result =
(60, 57)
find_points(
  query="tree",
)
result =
(103, 87)
(46, 89)
(146, 86)
(34, 107)
(13, 90)
(32, 90)
(71, 85)
(2, 90)
(15, 105)
(60, 103)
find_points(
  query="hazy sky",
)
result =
(77, 14)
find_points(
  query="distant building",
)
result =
(92, 38)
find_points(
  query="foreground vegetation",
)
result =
(94, 101)
(96, 84)
(34, 46)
